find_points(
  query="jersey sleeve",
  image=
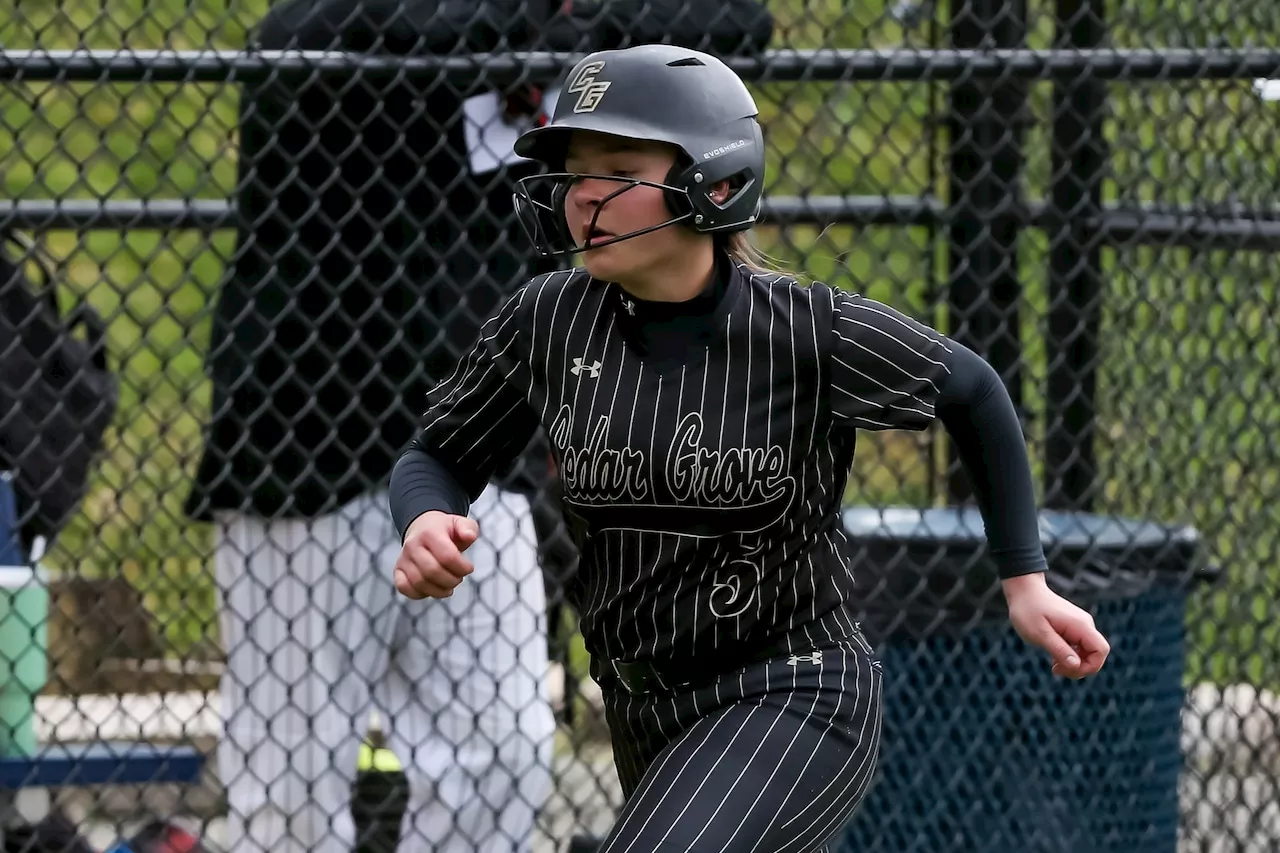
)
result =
(478, 419)
(886, 368)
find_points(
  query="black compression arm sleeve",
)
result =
(420, 483)
(978, 413)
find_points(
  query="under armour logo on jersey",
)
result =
(814, 658)
(579, 365)
(629, 306)
(589, 91)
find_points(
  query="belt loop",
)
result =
(637, 678)
(640, 677)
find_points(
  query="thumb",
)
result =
(465, 532)
(1063, 654)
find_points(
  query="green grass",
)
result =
(1188, 364)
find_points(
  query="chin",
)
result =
(603, 264)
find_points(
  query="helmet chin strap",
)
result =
(547, 235)
(588, 246)
(629, 235)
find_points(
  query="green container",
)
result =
(24, 614)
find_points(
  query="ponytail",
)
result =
(741, 248)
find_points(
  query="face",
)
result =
(632, 209)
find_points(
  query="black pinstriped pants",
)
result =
(772, 758)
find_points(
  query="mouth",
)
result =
(597, 235)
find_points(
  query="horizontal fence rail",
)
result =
(162, 66)
(1239, 228)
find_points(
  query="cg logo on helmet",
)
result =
(589, 92)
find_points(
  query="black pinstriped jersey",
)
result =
(704, 493)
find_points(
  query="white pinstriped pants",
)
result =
(316, 636)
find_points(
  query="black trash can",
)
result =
(983, 749)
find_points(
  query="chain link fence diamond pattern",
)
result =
(242, 238)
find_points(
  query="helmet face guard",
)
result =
(657, 93)
(540, 206)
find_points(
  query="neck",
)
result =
(676, 278)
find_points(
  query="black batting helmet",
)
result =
(658, 93)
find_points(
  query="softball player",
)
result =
(703, 413)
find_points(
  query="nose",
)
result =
(589, 192)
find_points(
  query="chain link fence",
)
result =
(243, 238)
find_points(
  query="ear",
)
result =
(719, 193)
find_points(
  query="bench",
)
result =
(101, 763)
(95, 762)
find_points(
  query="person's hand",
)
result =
(1046, 619)
(431, 563)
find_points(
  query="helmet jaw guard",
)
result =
(656, 93)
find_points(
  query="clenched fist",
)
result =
(431, 563)
(1046, 619)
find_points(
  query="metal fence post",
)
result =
(985, 170)
(1079, 154)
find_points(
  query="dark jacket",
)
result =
(368, 255)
